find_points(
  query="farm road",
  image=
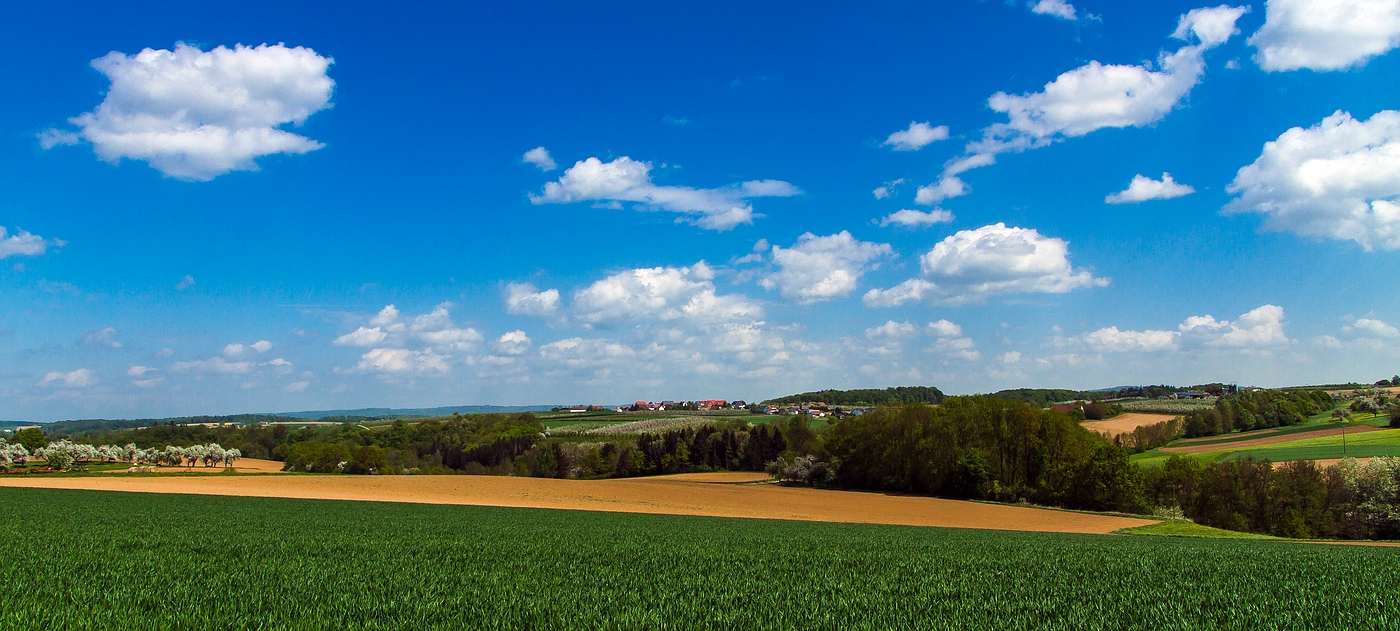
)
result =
(711, 494)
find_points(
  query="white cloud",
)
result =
(195, 115)
(362, 337)
(138, 372)
(628, 180)
(514, 343)
(917, 219)
(296, 386)
(1010, 357)
(22, 243)
(1144, 188)
(891, 329)
(400, 360)
(539, 156)
(817, 268)
(1376, 327)
(185, 283)
(1258, 328)
(995, 259)
(1057, 8)
(912, 290)
(80, 378)
(661, 293)
(214, 365)
(261, 346)
(1339, 179)
(522, 299)
(577, 352)
(885, 190)
(1113, 340)
(278, 362)
(437, 329)
(944, 328)
(1325, 34)
(916, 137)
(105, 338)
(1092, 97)
(234, 350)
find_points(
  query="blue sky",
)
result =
(282, 208)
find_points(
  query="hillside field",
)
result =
(84, 559)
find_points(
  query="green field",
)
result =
(81, 560)
(1385, 442)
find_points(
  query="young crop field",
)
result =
(83, 559)
(1367, 444)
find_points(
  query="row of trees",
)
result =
(1349, 500)
(1259, 409)
(63, 454)
(869, 397)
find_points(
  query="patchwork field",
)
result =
(1324, 446)
(133, 561)
(706, 494)
(1126, 423)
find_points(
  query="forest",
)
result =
(1258, 409)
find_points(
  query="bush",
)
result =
(1395, 415)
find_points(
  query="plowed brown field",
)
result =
(1126, 422)
(712, 494)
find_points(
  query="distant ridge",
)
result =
(438, 411)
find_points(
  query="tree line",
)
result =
(1259, 409)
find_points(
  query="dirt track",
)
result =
(1126, 422)
(712, 494)
(1268, 440)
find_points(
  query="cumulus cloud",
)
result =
(1373, 327)
(1259, 328)
(995, 259)
(916, 219)
(143, 377)
(22, 243)
(890, 329)
(1112, 340)
(944, 328)
(216, 365)
(80, 378)
(1143, 188)
(522, 299)
(817, 269)
(1339, 179)
(1092, 97)
(1056, 8)
(1325, 34)
(401, 360)
(261, 346)
(363, 336)
(185, 283)
(514, 343)
(577, 352)
(539, 156)
(660, 293)
(103, 338)
(628, 180)
(195, 115)
(916, 137)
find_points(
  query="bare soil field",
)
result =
(710, 494)
(1126, 423)
(1265, 440)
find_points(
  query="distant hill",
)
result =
(410, 412)
(888, 396)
